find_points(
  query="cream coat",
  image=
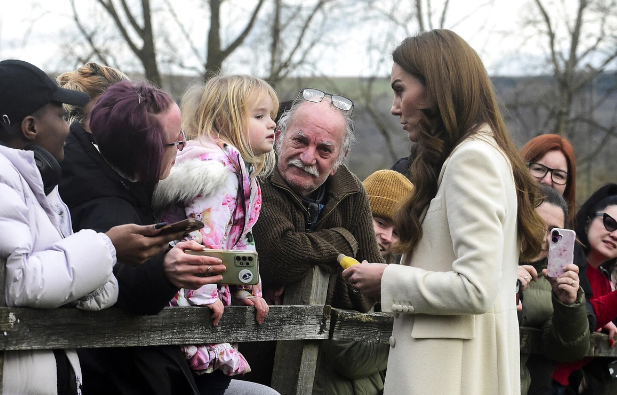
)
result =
(455, 328)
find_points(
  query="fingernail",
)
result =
(611, 343)
(160, 225)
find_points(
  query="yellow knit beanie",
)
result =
(386, 189)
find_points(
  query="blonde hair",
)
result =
(93, 79)
(219, 109)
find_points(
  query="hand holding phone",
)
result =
(560, 251)
(187, 225)
(242, 265)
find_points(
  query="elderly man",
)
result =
(314, 209)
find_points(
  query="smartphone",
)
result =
(242, 265)
(560, 251)
(186, 225)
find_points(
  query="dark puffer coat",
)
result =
(99, 198)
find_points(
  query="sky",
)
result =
(31, 29)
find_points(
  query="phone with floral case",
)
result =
(560, 251)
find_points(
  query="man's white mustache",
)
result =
(312, 170)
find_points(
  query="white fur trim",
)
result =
(188, 179)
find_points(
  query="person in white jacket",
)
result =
(48, 266)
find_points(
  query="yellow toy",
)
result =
(346, 261)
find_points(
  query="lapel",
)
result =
(485, 133)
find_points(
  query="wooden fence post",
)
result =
(295, 361)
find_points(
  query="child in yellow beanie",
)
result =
(386, 189)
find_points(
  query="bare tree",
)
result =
(216, 54)
(587, 49)
(146, 53)
(575, 94)
(295, 32)
(135, 27)
(403, 18)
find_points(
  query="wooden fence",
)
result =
(298, 326)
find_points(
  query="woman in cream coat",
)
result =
(455, 327)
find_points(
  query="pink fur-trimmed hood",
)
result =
(190, 176)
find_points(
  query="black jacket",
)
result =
(99, 198)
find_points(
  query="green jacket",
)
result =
(350, 368)
(565, 329)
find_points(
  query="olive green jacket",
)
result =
(565, 329)
(350, 368)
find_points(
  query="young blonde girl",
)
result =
(230, 128)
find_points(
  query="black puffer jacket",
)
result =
(99, 198)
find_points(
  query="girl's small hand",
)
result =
(216, 311)
(261, 307)
(366, 278)
(565, 287)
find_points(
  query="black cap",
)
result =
(24, 89)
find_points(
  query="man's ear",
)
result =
(28, 128)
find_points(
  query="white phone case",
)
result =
(560, 251)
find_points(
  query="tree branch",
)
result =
(419, 17)
(131, 19)
(284, 64)
(88, 36)
(109, 6)
(244, 33)
(551, 36)
(442, 19)
(184, 32)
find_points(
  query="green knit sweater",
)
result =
(287, 251)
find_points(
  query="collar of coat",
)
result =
(18, 166)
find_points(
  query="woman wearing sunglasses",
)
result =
(596, 229)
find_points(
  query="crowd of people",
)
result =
(453, 240)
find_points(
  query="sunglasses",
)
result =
(316, 96)
(609, 222)
(180, 144)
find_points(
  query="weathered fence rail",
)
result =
(298, 327)
(35, 329)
